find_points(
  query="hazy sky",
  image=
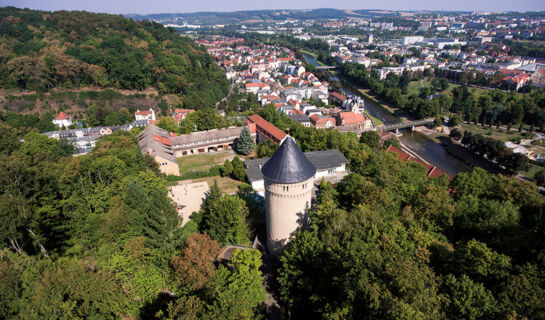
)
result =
(165, 6)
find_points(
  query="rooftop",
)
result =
(288, 164)
(151, 141)
(267, 126)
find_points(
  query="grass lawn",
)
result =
(226, 184)
(493, 132)
(376, 121)
(478, 91)
(388, 107)
(532, 170)
(540, 143)
(312, 55)
(203, 162)
(414, 87)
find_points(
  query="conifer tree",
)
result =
(245, 144)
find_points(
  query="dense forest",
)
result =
(42, 50)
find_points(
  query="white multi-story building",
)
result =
(62, 120)
(412, 39)
(145, 115)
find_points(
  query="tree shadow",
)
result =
(270, 267)
(158, 306)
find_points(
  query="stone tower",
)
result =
(288, 177)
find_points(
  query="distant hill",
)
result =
(239, 17)
(42, 50)
(208, 18)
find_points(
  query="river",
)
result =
(429, 150)
(371, 107)
(434, 153)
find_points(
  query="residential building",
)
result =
(337, 98)
(301, 118)
(144, 115)
(321, 122)
(62, 120)
(180, 114)
(265, 130)
(356, 120)
(538, 78)
(412, 39)
(354, 104)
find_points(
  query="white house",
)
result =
(145, 115)
(62, 120)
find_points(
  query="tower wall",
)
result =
(287, 211)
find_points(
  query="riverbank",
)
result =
(434, 153)
(313, 56)
(365, 93)
(374, 108)
(376, 121)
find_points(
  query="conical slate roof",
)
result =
(288, 164)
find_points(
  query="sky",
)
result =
(179, 6)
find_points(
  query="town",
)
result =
(273, 164)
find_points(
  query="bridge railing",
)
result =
(400, 125)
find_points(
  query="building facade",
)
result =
(144, 115)
(62, 120)
(206, 141)
(155, 142)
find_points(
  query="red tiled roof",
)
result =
(183, 110)
(351, 117)
(436, 173)
(318, 121)
(251, 126)
(431, 171)
(268, 128)
(163, 140)
(256, 84)
(338, 96)
(143, 113)
(63, 116)
(403, 156)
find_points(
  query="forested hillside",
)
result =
(96, 237)
(42, 50)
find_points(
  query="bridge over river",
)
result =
(326, 67)
(407, 124)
